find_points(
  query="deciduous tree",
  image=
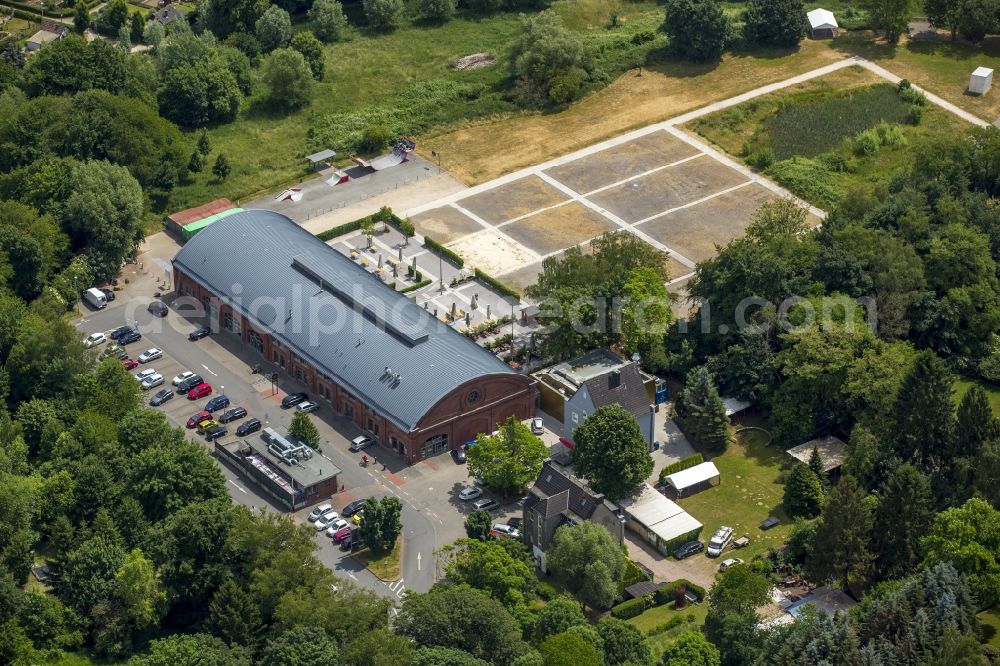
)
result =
(509, 460)
(478, 525)
(380, 524)
(624, 643)
(383, 14)
(558, 615)
(969, 537)
(691, 649)
(328, 20)
(611, 452)
(547, 60)
(774, 22)
(304, 430)
(312, 50)
(568, 649)
(274, 28)
(588, 561)
(302, 646)
(696, 28)
(288, 78)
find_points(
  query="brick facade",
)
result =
(474, 407)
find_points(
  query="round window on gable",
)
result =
(473, 397)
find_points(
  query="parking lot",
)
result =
(432, 513)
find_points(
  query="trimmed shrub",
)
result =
(632, 607)
(681, 465)
(414, 287)
(668, 593)
(497, 285)
(437, 248)
(339, 230)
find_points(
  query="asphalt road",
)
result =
(223, 365)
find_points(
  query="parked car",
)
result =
(95, 339)
(199, 391)
(470, 493)
(326, 520)
(114, 351)
(234, 414)
(120, 331)
(537, 428)
(152, 381)
(206, 425)
(361, 442)
(158, 308)
(730, 563)
(130, 337)
(130, 363)
(109, 295)
(338, 524)
(217, 403)
(689, 549)
(293, 399)
(353, 508)
(345, 533)
(247, 427)
(307, 406)
(350, 543)
(216, 433)
(190, 383)
(187, 374)
(199, 333)
(198, 418)
(719, 541)
(150, 354)
(504, 531)
(485, 504)
(459, 455)
(143, 374)
(516, 523)
(315, 514)
(161, 397)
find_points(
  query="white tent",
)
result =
(980, 81)
(822, 23)
(692, 476)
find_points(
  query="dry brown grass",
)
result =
(478, 152)
(558, 228)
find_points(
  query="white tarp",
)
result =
(821, 18)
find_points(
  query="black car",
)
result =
(189, 383)
(459, 455)
(234, 414)
(158, 308)
(120, 331)
(516, 523)
(247, 427)
(689, 549)
(353, 508)
(216, 433)
(293, 399)
(161, 397)
(217, 403)
(129, 338)
(199, 333)
(109, 295)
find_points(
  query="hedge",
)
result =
(632, 607)
(497, 285)
(672, 623)
(633, 574)
(339, 231)
(414, 287)
(680, 465)
(35, 10)
(668, 592)
(451, 256)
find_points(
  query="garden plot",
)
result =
(445, 224)
(626, 160)
(514, 199)
(661, 191)
(555, 229)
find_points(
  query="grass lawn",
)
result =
(962, 387)
(694, 615)
(749, 492)
(386, 566)
(991, 619)
(819, 120)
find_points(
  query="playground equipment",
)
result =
(400, 152)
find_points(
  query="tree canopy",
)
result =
(611, 452)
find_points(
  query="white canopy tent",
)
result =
(692, 476)
(822, 23)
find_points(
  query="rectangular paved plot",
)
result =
(622, 161)
(694, 231)
(648, 195)
(520, 197)
(558, 228)
(444, 224)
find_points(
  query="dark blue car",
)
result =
(217, 403)
(130, 337)
(120, 331)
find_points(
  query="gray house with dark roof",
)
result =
(558, 498)
(572, 390)
(414, 384)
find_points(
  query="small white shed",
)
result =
(980, 81)
(822, 24)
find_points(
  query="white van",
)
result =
(96, 298)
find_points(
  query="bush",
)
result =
(436, 247)
(807, 178)
(374, 138)
(633, 574)
(668, 593)
(672, 623)
(328, 20)
(633, 607)
(288, 78)
(413, 287)
(497, 285)
(681, 465)
(697, 28)
(547, 60)
(274, 28)
(339, 230)
(437, 10)
(761, 158)
(915, 114)
(383, 14)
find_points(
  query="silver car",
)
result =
(153, 380)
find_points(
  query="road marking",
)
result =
(418, 561)
(352, 575)
(398, 587)
(234, 483)
(208, 370)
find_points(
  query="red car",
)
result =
(199, 391)
(130, 363)
(198, 418)
(342, 534)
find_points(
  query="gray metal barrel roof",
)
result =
(339, 318)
